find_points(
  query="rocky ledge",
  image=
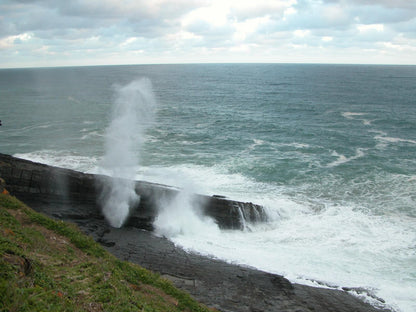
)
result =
(26, 178)
(72, 196)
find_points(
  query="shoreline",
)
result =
(226, 287)
(215, 283)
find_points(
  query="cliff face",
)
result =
(43, 183)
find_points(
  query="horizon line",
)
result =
(208, 63)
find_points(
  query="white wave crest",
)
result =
(342, 159)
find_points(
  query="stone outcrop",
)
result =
(25, 178)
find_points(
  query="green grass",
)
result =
(49, 265)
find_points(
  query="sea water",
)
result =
(328, 150)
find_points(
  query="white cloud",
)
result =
(370, 27)
(248, 9)
(248, 27)
(12, 41)
(109, 31)
(215, 15)
(327, 38)
(301, 33)
(128, 41)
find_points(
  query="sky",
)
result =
(38, 33)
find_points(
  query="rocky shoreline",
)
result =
(215, 283)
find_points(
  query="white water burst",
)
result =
(132, 114)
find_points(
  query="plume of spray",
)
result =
(133, 112)
(182, 215)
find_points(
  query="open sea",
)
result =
(328, 150)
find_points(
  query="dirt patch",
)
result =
(152, 291)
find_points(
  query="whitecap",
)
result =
(256, 142)
(342, 159)
(393, 140)
(351, 115)
(91, 134)
(63, 159)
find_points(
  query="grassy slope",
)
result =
(48, 265)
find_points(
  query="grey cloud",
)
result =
(383, 15)
(378, 11)
(324, 17)
(38, 17)
(113, 10)
(316, 18)
(408, 28)
(44, 15)
(403, 4)
(244, 13)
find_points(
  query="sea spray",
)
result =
(182, 215)
(133, 112)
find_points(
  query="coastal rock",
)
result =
(72, 196)
(26, 178)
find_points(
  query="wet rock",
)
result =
(26, 178)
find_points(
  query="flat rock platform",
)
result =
(217, 284)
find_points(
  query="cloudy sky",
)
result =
(92, 32)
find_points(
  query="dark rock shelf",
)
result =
(72, 196)
(26, 178)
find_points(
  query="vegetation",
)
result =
(48, 265)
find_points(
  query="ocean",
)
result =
(328, 150)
